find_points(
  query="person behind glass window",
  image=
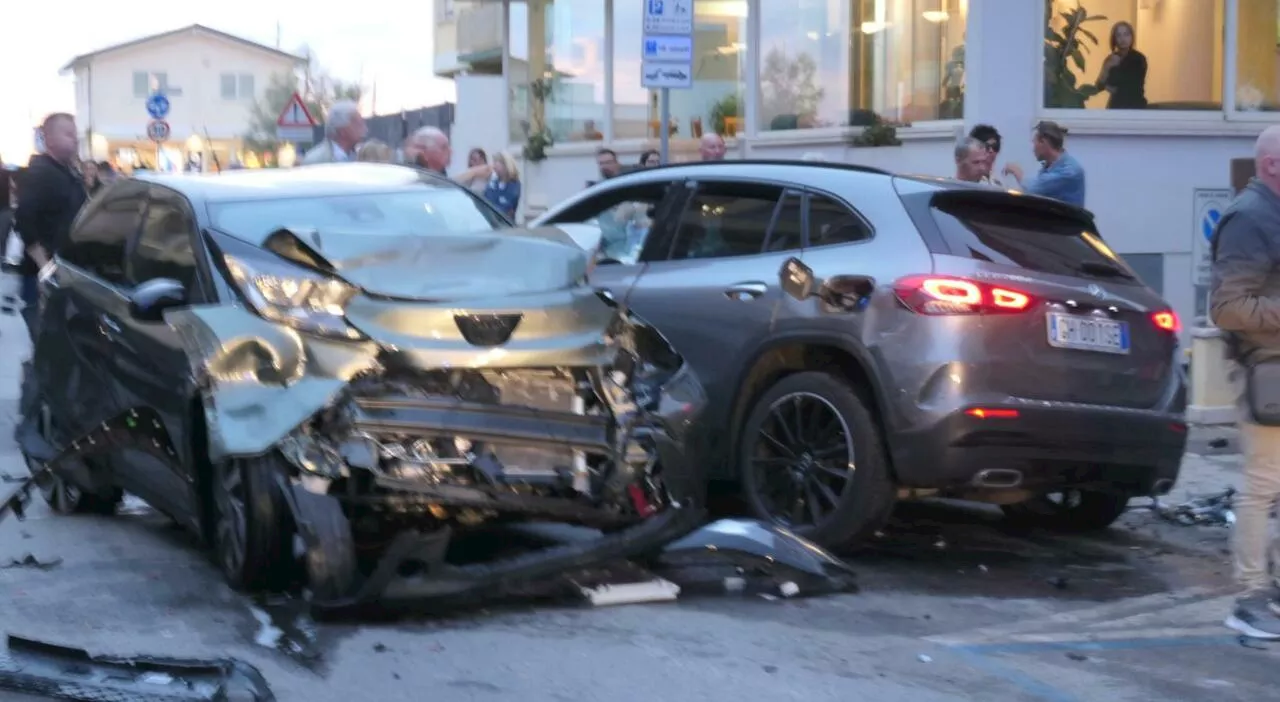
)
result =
(1062, 176)
(503, 190)
(1124, 73)
(990, 138)
(650, 158)
(971, 160)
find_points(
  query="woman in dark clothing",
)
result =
(1124, 74)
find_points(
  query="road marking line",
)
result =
(1106, 612)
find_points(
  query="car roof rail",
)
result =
(859, 168)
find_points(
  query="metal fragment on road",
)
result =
(60, 672)
(1216, 509)
(30, 561)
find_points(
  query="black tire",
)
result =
(866, 498)
(331, 567)
(253, 530)
(1077, 511)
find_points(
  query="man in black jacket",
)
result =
(49, 197)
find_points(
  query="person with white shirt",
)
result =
(344, 129)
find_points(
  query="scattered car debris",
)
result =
(923, 658)
(1252, 643)
(59, 672)
(1208, 510)
(30, 561)
(1075, 656)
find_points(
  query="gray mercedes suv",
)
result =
(866, 337)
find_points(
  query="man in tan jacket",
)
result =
(1245, 303)
(344, 129)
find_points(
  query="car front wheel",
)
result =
(252, 529)
(1070, 510)
(811, 459)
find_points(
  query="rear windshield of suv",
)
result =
(1029, 238)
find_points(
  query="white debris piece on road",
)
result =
(656, 590)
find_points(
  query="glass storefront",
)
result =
(573, 66)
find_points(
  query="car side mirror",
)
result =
(149, 300)
(797, 279)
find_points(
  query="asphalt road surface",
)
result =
(953, 606)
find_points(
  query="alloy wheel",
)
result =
(231, 527)
(803, 458)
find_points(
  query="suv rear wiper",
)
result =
(1103, 269)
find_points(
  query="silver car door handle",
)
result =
(110, 323)
(746, 291)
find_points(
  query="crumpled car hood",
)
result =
(452, 266)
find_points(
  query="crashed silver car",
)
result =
(334, 372)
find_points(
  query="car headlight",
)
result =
(303, 299)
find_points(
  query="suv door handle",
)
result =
(746, 291)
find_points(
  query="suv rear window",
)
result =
(1036, 240)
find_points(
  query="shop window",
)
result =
(1135, 54)
(1258, 56)
(557, 70)
(831, 63)
(713, 104)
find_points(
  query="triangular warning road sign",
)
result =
(295, 114)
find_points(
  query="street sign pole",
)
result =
(667, 59)
(664, 121)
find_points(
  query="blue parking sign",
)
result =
(655, 7)
(650, 47)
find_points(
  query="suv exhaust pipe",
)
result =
(998, 478)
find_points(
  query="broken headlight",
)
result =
(305, 300)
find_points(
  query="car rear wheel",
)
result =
(811, 459)
(1070, 510)
(252, 527)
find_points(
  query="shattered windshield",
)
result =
(423, 211)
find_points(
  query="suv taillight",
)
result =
(1167, 320)
(941, 295)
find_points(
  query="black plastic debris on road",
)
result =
(59, 672)
(30, 561)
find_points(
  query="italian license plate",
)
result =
(1088, 334)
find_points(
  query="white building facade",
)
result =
(212, 80)
(787, 79)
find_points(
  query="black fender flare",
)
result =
(844, 342)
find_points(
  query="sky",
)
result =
(390, 41)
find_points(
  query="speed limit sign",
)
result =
(158, 130)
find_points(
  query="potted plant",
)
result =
(727, 107)
(538, 137)
(1063, 49)
(881, 132)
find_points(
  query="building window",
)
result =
(237, 86)
(148, 82)
(1136, 54)
(1258, 56)
(828, 63)
(713, 104)
(557, 69)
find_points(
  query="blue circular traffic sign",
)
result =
(1210, 222)
(157, 106)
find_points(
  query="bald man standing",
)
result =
(1245, 302)
(711, 148)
